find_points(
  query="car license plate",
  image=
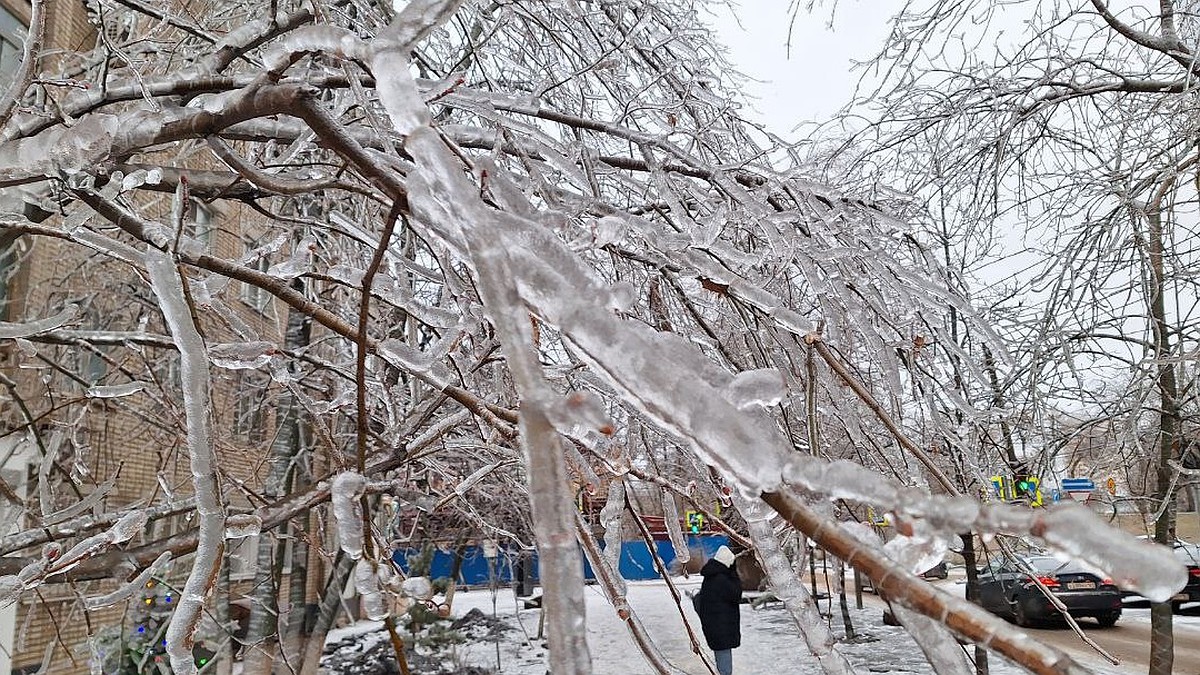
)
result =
(1080, 585)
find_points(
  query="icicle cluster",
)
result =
(344, 494)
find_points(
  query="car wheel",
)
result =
(1020, 617)
(1108, 619)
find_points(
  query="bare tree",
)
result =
(520, 231)
(1079, 127)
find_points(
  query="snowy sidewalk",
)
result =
(769, 639)
(770, 642)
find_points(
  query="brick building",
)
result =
(69, 426)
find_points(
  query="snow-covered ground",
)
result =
(770, 643)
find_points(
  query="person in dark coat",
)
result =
(719, 608)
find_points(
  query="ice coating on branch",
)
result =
(674, 529)
(581, 468)
(1151, 570)
(241, 355)
(416, 20)
(344, 494)
(27, 348)
(139, 177)
(115, 390)
(398, 92)
(351, 276)
(86, 548)
(759, 388)
(10, 589)
(366, 580)
(843, 479)
(663, 375)
(64, 149)
(621, 297)
(918, 552)
(194, 381)
(479, 474)
(612, 517)
(128, 526)
(414, 361)
(299, 263)
(136, 585)
(10, 331)
(420, 588)
(609, 230)
(578, 413)
(242, 525)
(321, 38)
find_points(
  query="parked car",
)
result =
(938, 571)
(1007, 588)
(1189, 554)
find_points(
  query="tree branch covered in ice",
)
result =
(454, 268)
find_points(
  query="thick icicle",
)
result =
(917, 553)
(938, 644)
(611, 517)
(194, 378)
(344, 494)
(367, 581)
(789, 589)
(674, 529)
(10, 331)
(550, 502)
(613, 589)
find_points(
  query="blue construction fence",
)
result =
(636, 562)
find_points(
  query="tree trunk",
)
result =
(263, 633)
(1162, 637)
(331, 601)
(969, 559)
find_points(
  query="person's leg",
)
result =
(724, 659)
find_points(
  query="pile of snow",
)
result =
(366, 649)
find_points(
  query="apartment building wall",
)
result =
(135, 440)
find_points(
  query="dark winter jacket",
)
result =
(720, 614)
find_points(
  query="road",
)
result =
(1129, 640)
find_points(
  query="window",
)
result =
(16, 467)
(94, 367)
(253, 295)
(199, 225)
(12, 32)
(243, 557)
(250, 418)
(256, 257)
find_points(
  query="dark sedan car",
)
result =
(1189, 554)
(1007, 588)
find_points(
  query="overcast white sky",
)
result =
(813, 79)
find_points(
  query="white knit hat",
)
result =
(724, 556)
